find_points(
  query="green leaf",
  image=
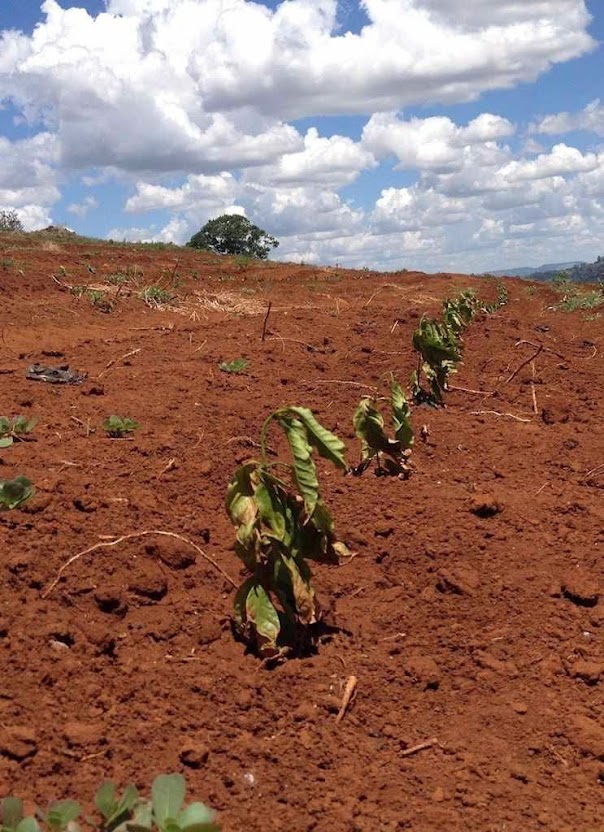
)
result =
(327, 444)
(142, 820)
(272, 507)
(105, 799)
(5, 426)
(240, 601)
(401, 416)
(369, 427)
(167, 795)
(305, 472)
(6, 441)
(260, 612)
(118, 426)
(62, 813)
(237, 365)
(14, 492)
(240, 503)
(12, 812)
(28, 825)
(197, 818)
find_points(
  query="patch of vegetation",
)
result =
(117, 427)
(237, 365)
(15, 492)
(573, 297)
(100, 300)
(375, 444)
(16, 428)
(155, 296)
(282, 524)
(165, 811)
(7, 263)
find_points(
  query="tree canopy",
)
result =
(233, 234)
(9, 221)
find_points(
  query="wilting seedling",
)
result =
(281, 525)
(439, 351)
(375, 444)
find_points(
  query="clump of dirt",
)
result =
(471, 614)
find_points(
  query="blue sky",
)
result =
(389, 133)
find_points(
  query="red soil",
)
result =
(480, 633)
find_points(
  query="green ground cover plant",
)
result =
(117, 427)
(282, 523)
(237, 365)
(17, 427)
(165, 811)
(14, 493)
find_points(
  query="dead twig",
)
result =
(422, 746)
(268, 312)
(524, 363)
(135, 536)
(115, 360)
(347, 698)
(533, 391)
(169, 467)
(543, 347)
(497, 413)
(469, 390)
(337, 381)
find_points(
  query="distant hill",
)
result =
(530, 271)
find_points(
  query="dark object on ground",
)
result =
(54, 375)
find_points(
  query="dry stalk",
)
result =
(115, 360)
(422, 746)
(347, 698)
(497, 413)
(134, 536)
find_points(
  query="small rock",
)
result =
(305, 713)
(485, 505)
(94, 390)
(37, 504)
(172, 553)
(520, 773)
(82, 734)
(383, 530)
(489, 662)
(423, 671)
(205, 467)
(520, 707)
(150, 583)
(588, 672)
(209, 631)
(461, 580)
(194, 754)
(581, 587)
(438, 795)
(244, 700)
(18, 743)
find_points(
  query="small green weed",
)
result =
(6, 263)
(236, 366)
(15, 428)
(117, 427)
(15, 492)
